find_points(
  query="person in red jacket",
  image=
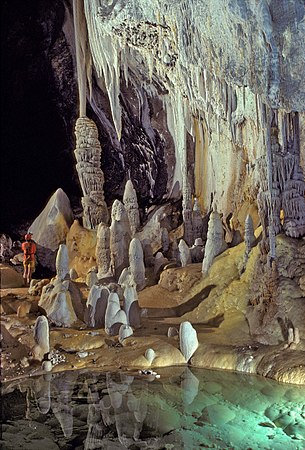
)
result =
(29, 251)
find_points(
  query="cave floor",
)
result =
(224, 344)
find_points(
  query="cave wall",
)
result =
(198, 76)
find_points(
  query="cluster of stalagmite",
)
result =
(281, 201)
(88, 154)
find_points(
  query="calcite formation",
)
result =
(62, 262)
(88, 154)
(215, 108)
(41, 337)
(120, 236)
(215, 241)
(102, 251)
(131, 205)
(136, 263)
(184, 253)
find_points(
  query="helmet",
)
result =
(28, 236)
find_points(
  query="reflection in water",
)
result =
(184, 409)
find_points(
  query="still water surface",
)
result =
(184, 409)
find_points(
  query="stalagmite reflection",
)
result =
(185, 408)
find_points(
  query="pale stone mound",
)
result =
(50, 228)
(62, 302)
(41, 337)
(188, 340)
(9, 278)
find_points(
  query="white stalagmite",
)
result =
(119, 238)
(115, 316)
(215, 241)
(125, 331)
(136, 263)
(197, 220)
(41, 336)
(131, 205)
(62, 262)
(102, 251)
(188, 340)
(184, 253)
(131, 305)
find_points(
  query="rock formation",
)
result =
(119, 238)
(50, 228)
(102, 252)
(184, 253)
(136, 263)
(197, 222)
(41, 338)
(131, 205)
(215, 241)
(197, 251)
(96, 306)
(115, 316)
(131, 305)
(62, 262)
(188, 340)
(91, 177)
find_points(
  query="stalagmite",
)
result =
(197, 251)
(96, 306)
(41, 337)
(187, 215)
(131, 205)
(249, 234)
(131, 305)
(88, 154)
(188, 340)
(119, 239)
(136, 263)
(215, 241)
(184, 253)
(91, 277)
(197, 220)
(165, 241)
(115, 316)
(125, 331)
(102, 251)
(62, 262)
(150, 355)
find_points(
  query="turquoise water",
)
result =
(183, 409)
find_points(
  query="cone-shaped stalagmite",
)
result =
(62, 262)
(102, 251)
(131, 205)
(136, 263)
(215, 241)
